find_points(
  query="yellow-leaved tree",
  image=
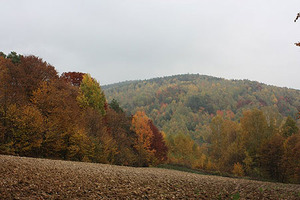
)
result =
(91, 94)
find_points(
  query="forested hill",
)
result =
(187, 103)
(207, 123)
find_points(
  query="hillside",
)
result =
(32, 178)
(201, 122)
(186, 103)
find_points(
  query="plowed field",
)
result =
(31, 178)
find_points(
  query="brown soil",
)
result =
(31, 178)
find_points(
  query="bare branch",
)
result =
(298, 15)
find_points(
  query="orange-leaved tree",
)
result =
(140, 125)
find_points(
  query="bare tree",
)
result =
(297, 17)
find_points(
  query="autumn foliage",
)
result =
(73, 78)
(67, 117)
(149, 144)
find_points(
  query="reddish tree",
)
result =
(158, 143)
(74, 78)
(11, 91)
(19, 77)
(34, 71)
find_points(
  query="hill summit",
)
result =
(184, 103)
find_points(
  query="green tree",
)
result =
(2, 54)
(14, 57)
(114, 104)
(289, 128)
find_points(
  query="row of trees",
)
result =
(258, 146)
(68, 117)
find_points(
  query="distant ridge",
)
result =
(118, 84)
(186, 99)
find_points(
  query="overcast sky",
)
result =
(118, 40)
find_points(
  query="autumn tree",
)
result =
(271, 154)
(74, 78)
(226, 146)
(254, 128)
(91, 94)
(19, 77)
(7, 97)
(118, 126)
(183, 150)
(93, 103)
(36, 71)
(106, 147)
(24, 76)
(291, 159)
(140, 125)
(80, 147)
(216, 137)
(27, 130)
(232, 149)
(238, 169)
(289, 128)
(158, 143)
(57, 102)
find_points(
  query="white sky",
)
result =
(118, 40)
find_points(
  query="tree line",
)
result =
(228, 127)
(68, 117)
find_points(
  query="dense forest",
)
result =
(67, 117)
(241, 128)
(232, 126)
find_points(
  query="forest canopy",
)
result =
(46, 115)
(228, 127)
